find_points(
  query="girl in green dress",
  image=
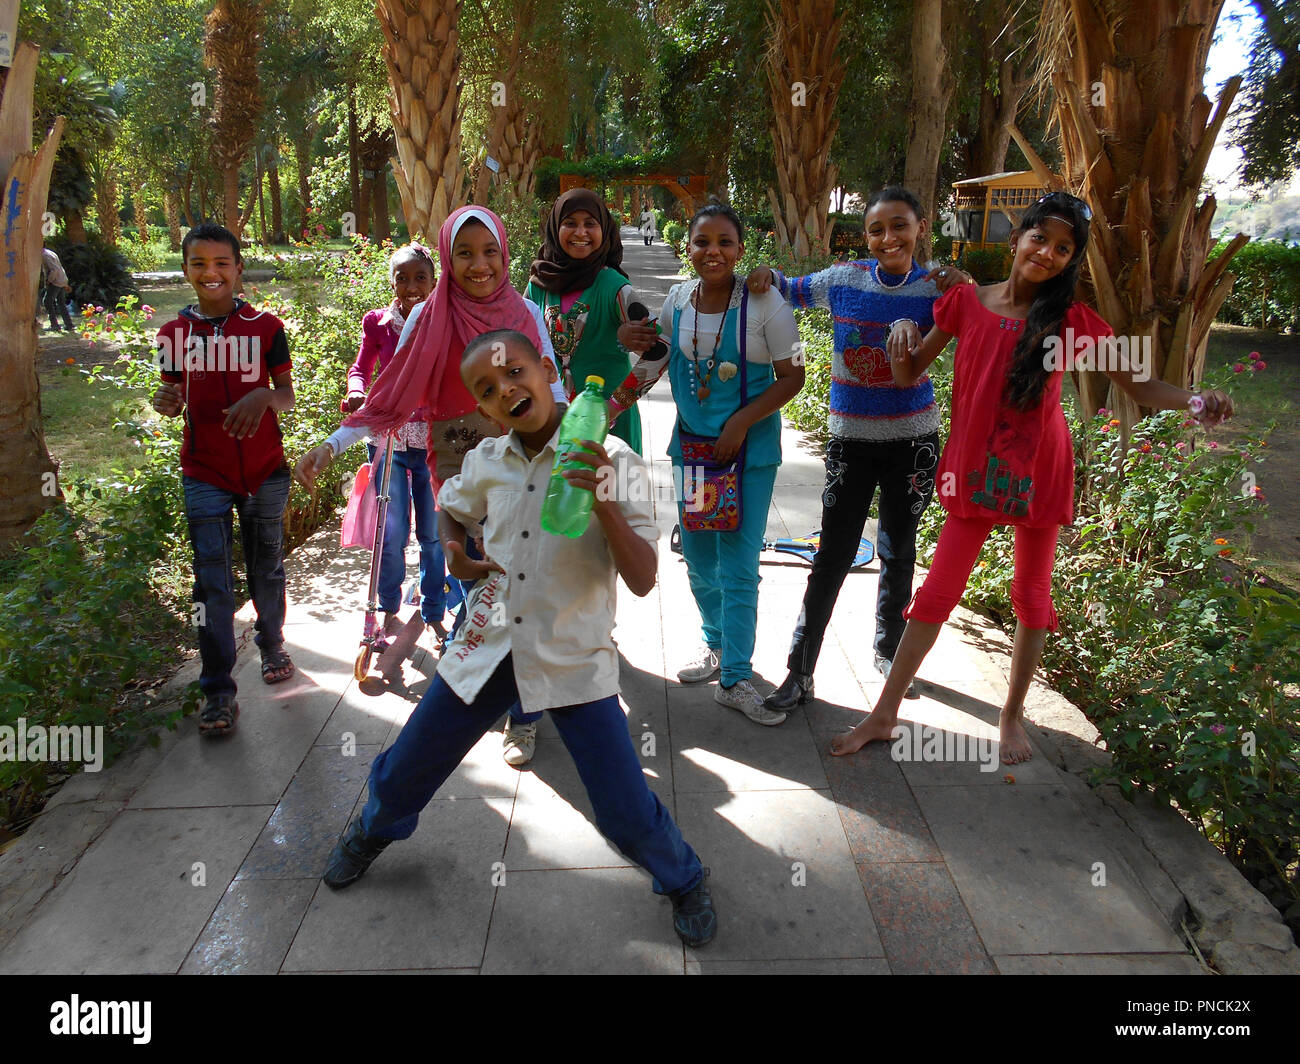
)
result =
(578, 281)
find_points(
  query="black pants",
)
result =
(904, 472)
(56, 301)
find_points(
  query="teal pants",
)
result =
(723, 571)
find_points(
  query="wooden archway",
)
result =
(691, 190)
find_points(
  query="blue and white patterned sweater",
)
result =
(865, 402)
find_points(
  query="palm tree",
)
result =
(28, 485)
(232, 38)
(1136, 133)
(422, 53)
(65, 86)
(804, 75)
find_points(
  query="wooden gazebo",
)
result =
(988, 207)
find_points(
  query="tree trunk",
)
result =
(74, 226)
(422, 53)
(359, 203)
(28, 476)
(231, 40)
(1136, 133)
(277, 204)
(110, 224)
(173, 220)
(381, 228)
(927, 116)
(302, 157)
(376, 145)
(804, 75)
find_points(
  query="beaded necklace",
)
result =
(702, 389)
(875, 270)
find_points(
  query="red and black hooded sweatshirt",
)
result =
(218, 361)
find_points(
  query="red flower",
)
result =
(1238, 368)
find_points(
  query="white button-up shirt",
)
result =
(554, 605)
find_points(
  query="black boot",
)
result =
(797, 689)
(351, 856)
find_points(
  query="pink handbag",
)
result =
(362, 514)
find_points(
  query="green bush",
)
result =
(986, 265)
(1266, 293)
(674, 233)
(1187, 665)
(99, 274)
(145, 255)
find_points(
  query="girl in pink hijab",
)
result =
(473, 296)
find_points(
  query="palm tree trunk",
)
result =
(1136, 134)
(422, 53)
(231, 41)
(277, 204)
(110, 225)
(28, 476)
(804, 75)
(173, 220)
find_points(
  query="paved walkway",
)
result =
(206, 856)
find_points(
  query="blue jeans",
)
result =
(443, 729)
(903, 470)
(210, 510)
(411, 483)
(722, 568)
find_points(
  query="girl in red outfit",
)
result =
(1009, 458)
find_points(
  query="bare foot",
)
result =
(1013, 740)
(870, 730)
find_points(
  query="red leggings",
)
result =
(954, 558)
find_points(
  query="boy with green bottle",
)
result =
(538, 630)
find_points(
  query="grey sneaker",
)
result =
(742, 696)
(883, 665)
(708, 666)
(520, 743)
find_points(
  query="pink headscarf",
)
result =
(425, 371)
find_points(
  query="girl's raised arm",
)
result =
(1161, 395)
(910, 366)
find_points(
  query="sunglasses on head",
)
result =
(1065, 199)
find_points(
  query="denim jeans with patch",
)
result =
(210, 513)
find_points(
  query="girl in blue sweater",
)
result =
(882, 436)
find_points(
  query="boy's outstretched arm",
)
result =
(635, 559)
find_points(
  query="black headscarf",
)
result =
(553, 269)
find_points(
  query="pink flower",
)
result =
(146, 308)
(1237, 367)
(1180, 446)
(1254, 354)
(1105, 428)
(1218, 729)
(1259, 366)
(1212, 446)
(1103, 412)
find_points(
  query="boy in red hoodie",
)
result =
(226, 365)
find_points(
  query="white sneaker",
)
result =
(520, 743)
(742, 696)
(707, 666)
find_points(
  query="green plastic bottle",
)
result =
(566, 509)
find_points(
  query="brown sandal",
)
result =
(219, 716)
(276, 666)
